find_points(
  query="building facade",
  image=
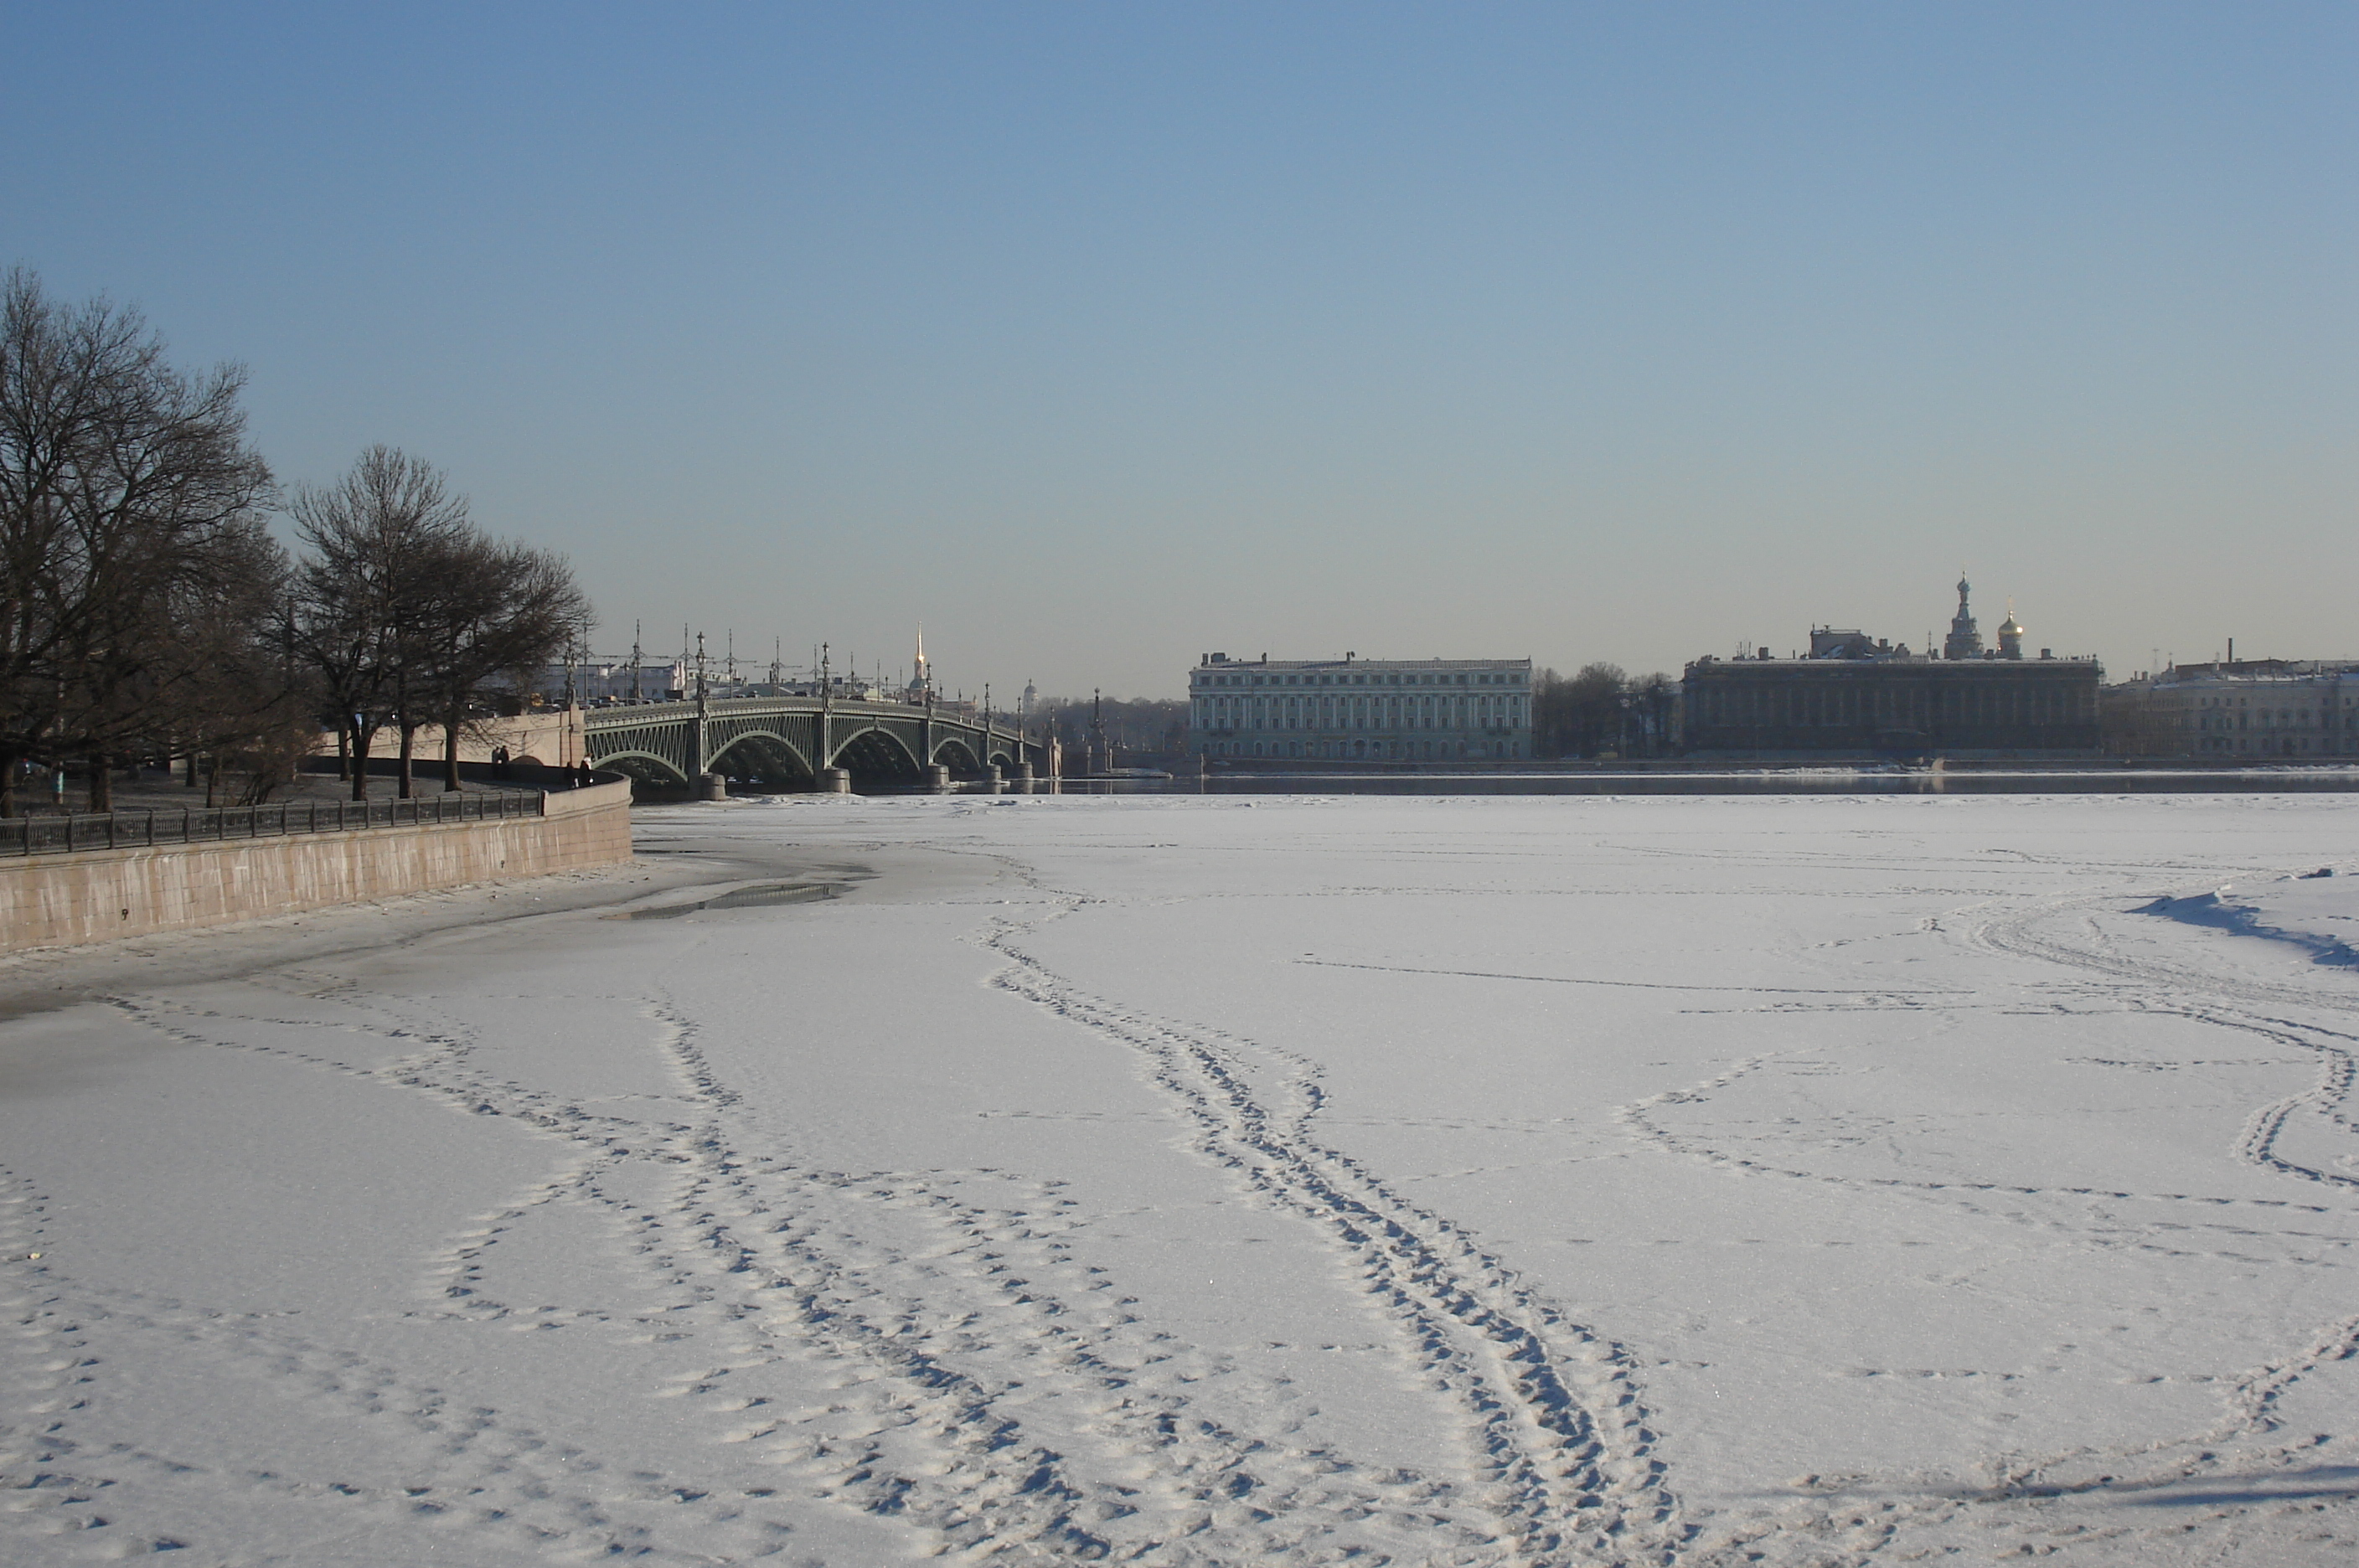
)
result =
(2250, 709)
(1857, 695)
(1915, 707)
(1361, 710)
(593, 681)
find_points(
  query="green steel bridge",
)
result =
(793, 741)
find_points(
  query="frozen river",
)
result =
(1686, 1181)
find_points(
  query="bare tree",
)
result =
(197, 664)
(1148, 729)
(248, 705)
(1577, 715)
(407, 609)
(509, 611)
(128, 493)
(1647, 714)
(376, 537)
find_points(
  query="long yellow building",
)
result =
(1361, 710)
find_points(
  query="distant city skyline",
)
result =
(1097, 338)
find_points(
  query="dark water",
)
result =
(1757, 781)
(742, 899)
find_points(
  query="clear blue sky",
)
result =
(1097, 336)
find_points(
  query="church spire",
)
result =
(921, 678)
(1964, 641)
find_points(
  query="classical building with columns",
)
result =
(2244, 710)
(1361, 710)
(1859, 696)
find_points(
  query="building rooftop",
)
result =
(1909, 661)
(1222, 662)
(2252, 669)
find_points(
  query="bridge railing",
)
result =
(70, 831)
(632, 715)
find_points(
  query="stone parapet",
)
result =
(99, 895)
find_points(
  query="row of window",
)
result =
(2281, 745)
(1369, 750)
(1884, 705)
(1379, 678)
(1493, 711)
(2272, 719)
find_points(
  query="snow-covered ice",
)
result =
(1694, 1180)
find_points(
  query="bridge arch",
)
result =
(953, 753)
(645, 767)
(766, 755)
(877, 755)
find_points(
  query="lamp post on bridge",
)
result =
(703, 708)
(926, 735)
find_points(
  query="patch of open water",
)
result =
(742, 899)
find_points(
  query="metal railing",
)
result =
(66, 833)
(625, 715)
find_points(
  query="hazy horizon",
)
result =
(1095, 339)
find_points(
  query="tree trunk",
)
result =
(408, 759)
(344, 752)
(363, 738)
(212, 780)
(451, 751)
(102, 784)
(11, 763)
(192, 781)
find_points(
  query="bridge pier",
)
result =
(990, 784)
(938, 779)
(835, 780)
(711, 787)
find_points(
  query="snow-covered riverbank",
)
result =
(1504, 1180)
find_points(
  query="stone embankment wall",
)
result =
(98, 895)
